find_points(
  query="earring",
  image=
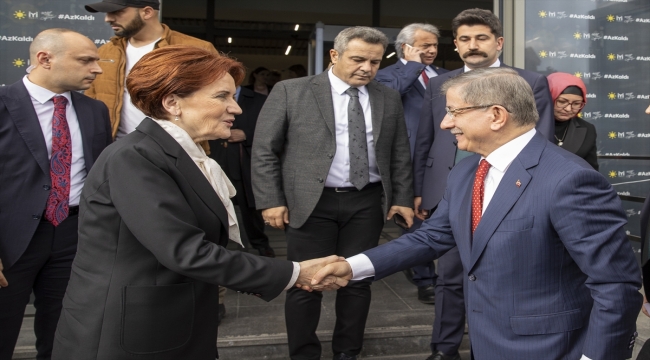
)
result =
(176, 118)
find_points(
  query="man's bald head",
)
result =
(63, 60)
(50, 40)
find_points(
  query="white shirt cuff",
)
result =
(294, 276)
(584, 358)
(361, 267)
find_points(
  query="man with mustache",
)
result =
(137, 32)
(330, 164)
(479, 41)
(51, 137)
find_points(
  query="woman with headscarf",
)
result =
(571, 132)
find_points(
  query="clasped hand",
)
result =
(328, 273)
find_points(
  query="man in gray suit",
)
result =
(330, 162)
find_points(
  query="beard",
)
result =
(132, 28)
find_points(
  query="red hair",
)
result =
(180, 70)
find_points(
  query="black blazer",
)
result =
(581, 140)
(150, 256)
(235, 158)
(24, 166)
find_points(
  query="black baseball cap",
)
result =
(115, 5)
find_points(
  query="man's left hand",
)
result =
(236, 135)
(406, 212)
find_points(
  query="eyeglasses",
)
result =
(562, 103)
(452, 112)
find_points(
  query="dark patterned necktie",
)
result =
(57, 203)
(359, 173)
(478, 192)
(425, 78)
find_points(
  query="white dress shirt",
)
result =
(44, 107)
(428, 69)
(495, 64)
(131, 116)
(339, 174)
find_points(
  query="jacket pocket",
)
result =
(156, 318)
(512, 225)
(547, 324)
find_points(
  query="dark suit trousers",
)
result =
(45, 269)
(251, 218)
(344, 224)
(449, 324)
(424, 274)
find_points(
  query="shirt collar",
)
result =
(427, 67)
(496, 64)
(41, 94)
(341, 86)
(502, 157)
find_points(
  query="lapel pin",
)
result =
(518, 183)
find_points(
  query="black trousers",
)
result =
(45, 269)
(343, 224)
(251, 218)
(449, 323)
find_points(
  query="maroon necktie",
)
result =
(57, 203)
(425, 78)
(478, 192)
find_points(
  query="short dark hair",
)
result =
(477, 16)
(251, 78)
(179, 70)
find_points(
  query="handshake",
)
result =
(328, 273)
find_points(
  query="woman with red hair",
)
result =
(155, 217)
(571, 132)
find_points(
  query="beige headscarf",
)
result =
(212, 171)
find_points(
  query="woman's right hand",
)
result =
(276, 217)
(3, 280)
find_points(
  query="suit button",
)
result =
(320, 180)
(635, 334)
(450, 167)
(36, 217)
(330, 156)
(631, 346)
(46, 187)
(472, 277)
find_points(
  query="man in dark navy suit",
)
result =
(416, 47)
(50, 136)
(479, 41)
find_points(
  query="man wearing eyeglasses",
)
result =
(479, 41)
(548, 270)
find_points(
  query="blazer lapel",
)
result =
(24, 116)
(187, 168)
(511, 187)
(463, 234)
(323, 92)
(376, 108)
(575, 136)
(87, 126)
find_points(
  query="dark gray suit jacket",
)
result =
(150, 256)
(24, 166)
(295, 143)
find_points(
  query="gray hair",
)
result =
(364, 33)
(501, 86)
(407, 35)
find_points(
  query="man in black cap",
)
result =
(138, 31)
